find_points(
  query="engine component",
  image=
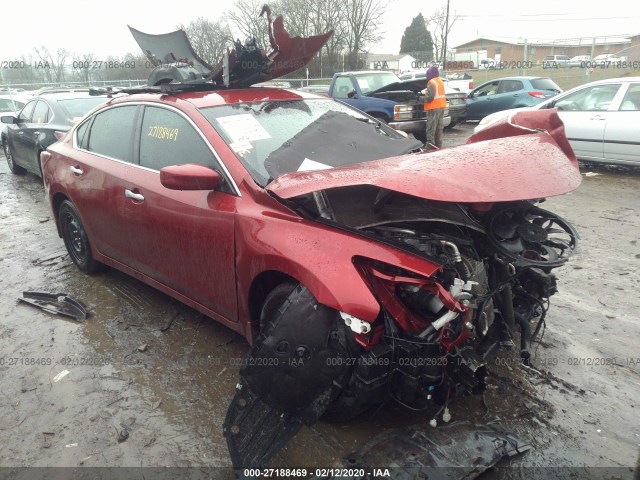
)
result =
(531, 236)
(465, 367)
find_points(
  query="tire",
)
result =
(451, 125)
(421, 136)
(272, 303)
(298, 363)
(13, 166)
(76, 239)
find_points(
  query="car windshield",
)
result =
(275, 137)
(545, 84)
(75, 108)
(369, 82)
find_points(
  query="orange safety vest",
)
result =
(440, 100)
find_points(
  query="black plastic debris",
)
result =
(461, 450)
(57, 303)
(255, 431)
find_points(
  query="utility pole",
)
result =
(446, 35)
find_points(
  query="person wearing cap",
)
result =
(435, 104)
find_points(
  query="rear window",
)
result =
(545, 84)
(75, 108)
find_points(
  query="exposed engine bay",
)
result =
(434, 335)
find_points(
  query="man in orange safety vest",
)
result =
(435, 103)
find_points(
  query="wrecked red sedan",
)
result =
(360, 268)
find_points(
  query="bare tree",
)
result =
(362, 20)
(53, 67)
(24, 73)
(208, 38)
(437, 25)
(246, 19)
(83, 65)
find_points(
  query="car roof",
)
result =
(223, 97)
(63, 95)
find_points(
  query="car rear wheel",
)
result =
(13, 166)
(76, 239)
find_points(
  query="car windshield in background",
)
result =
(75, 108)
(276, 137)
(545, 84)
(374, 81)
(10, 105)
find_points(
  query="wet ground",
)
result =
(146, 381)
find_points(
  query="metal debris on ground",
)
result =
(460, 450)
(56, 303)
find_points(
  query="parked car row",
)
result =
(42, 121)
(601, 119)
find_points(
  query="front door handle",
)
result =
(597, 117)
(76, 170)
(134, 196)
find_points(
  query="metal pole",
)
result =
(525, 57)
(446, 34)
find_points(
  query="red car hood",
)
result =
(524, 157)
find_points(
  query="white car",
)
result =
(606, 60)
(10, 104)
(601, 119)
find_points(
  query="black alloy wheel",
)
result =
(75, 239)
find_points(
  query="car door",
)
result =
(622, 131)
(509, 95)
(182, 239)
(103, 161)
(16, 133)
(341, 89)
(480, 100)
(585, 114)
(30, 136)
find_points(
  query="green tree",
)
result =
(417, 41)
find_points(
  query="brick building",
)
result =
(508, 51)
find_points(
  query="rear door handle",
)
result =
(76, 170)
(597, 117)
(134, 196)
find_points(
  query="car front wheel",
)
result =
(13, 166)
(76, 239)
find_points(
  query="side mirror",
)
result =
(189, 177)
(10, 119)
(351, 94)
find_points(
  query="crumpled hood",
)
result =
(416, 85)
(525, 156)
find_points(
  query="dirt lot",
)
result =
(147, 366)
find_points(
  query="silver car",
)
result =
(602, 119)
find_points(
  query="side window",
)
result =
(112, 133)
(507, 86)
(488, 89)
(6, 105)
(82, 138)
(167, 138)
(27, 111)
(591, 99)
(342, 87)
(631, 100)
(41, 113)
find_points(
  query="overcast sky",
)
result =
(85, 26)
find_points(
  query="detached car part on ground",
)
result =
(360, 268)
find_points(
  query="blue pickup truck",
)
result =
(383, 95)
